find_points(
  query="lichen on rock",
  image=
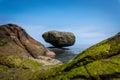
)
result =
(99, 62)
(59, 39)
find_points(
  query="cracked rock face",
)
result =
(14, 40)
(59, 39)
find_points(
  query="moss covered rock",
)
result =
(20, 54)
(99, 62)
(16, 68)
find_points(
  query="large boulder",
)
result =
(14, 40)
(99, 62)
(59, 39)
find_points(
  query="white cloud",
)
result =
(87, 34)
(84, 35)
(87, 31)
(35, 31)
(92, 35)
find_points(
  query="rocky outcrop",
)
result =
(14, 40)
(21, 57)
(59, 39)
(99, 62)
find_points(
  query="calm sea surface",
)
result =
(68, 53)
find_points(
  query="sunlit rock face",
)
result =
(14, 40)
(59, 39)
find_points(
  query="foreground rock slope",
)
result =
(99, 62)
(59, 39)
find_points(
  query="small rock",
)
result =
(50, 53)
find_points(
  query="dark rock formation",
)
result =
(59, 39)
(99, 62)
(14, 40)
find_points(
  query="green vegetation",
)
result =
(3, 41)
(101, 61)
(16, 46)
(13, 67)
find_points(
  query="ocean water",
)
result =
(68, 53)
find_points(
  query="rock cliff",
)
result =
(21, 57)
(14, 40)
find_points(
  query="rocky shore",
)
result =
(48, 60)
(23, 58)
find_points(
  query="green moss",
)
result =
(106, 68)
(3, 41)
(14, 73)
(14, 67)
(33, 65)
(23, 63)
(99, 62)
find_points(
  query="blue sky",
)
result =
(90, 20)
